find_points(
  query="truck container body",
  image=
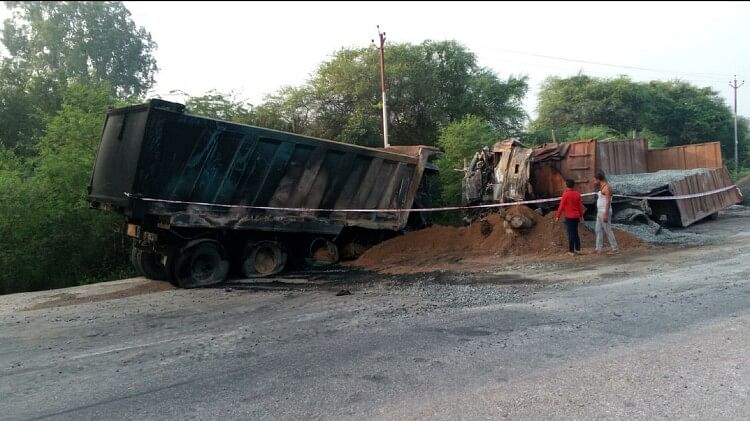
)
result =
(176, 176)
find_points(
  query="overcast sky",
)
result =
(254, 48)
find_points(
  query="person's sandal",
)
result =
(613, 252)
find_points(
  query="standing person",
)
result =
(572, 206)
(604, 214)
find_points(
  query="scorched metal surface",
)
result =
(156, 150)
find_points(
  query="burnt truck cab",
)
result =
(512, 172)
(201, 197)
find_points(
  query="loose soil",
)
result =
(68, 299)
(425, 249)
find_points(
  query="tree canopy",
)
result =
(84, 40)
(66, 63)
(459, 141)
(429, 85)
(672, 112)
(214, 104)
(52, 44)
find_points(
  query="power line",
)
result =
(597, 63)
(594, 73)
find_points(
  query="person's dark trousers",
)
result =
(574, 241)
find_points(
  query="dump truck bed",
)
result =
(187, 165)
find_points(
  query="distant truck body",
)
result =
(513, 172)
(190, 187)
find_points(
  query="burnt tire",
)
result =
(151, 266)
(322, 253)
(148, 264)
(262, 259)
(135, 261)
(199, 264)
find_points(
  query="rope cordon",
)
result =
(439, 209)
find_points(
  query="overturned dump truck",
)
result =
(202, 197)
(512, 172)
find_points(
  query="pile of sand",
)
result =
(491, 236)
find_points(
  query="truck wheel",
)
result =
(265, 258)
(199, 264)
(322, 253)
(134, 261)
(150, 265)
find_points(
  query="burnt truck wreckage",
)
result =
(513, 172)
(190, 189)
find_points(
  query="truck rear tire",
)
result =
(261, 259)
(322, 252)
(148, 264)
(199, 264)
(134, 261)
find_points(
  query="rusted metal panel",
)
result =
(498, 175)
(626, 156)
(684, 212)
(580, 164)
(553, 163)
(179, 157)
(511, 173)
(547, 180)
(702, 155)
(693, 210)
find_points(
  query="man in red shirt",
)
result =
(572, 206)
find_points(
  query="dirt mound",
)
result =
(491, 236)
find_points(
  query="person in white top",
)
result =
(604, 214)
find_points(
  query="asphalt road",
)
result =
(661, 333)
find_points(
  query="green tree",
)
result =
(84, 40)
(684, 114)
(655, 140)
(21, 119)
(430, 85)
(581, 100)
(669, 113)
(214, 104)
(539, 136)
(459, 141)
(65, 62)
(50, 44)
(289, 109)
(49, 236)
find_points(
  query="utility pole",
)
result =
(735, 86)
(382, 86)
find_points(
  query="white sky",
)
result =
(254, 48)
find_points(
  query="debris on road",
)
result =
(512, 172)
(657, 234)
(494, 235)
